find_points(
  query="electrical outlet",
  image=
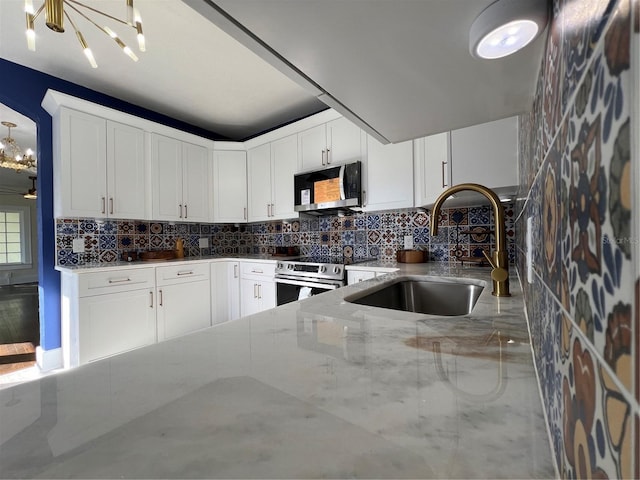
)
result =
(78, 245)
(408, 242)
(203, 242)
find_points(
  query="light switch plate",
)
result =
(203, 242)
(78, 245)
(408, 242)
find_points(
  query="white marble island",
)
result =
(315, 389)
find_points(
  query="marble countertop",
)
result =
(319, 388)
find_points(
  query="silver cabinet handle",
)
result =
(235, 271)
(190, 272)
(180, 207)
(111, 205)
(255, 288)
(443, 182)
(151, 296)
(245, 213)
(120, 280)
(104, 207)
(328, 156)
(272, 210)
(185, 211)
(268, 210)
(364, 198)
(323, 157)
(253, 270)
(160, 299)
(259, 291)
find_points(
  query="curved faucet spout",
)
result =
(500, 259)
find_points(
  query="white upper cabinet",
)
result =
(229, 186)
(126, 172)
(431, 167)
(99, 167)
(486, 154)
(271, 168)
(180, 190)
(389, 175)
(337, 141)
(259, 183)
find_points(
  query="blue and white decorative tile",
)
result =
(373, 237)
(91, 243)
(125, 242)
(360, 251)
(335, 237)
(421, 235)
(194, 228)
(107, 242)
(64, 242)
(87, 226)
(480, 215)
(420, 219)
(156, 241)
(360, 221)
(459, 216)
(347, 251)
(169, 228)
(360, 237)
(553, 75)
(348, 223)
(141, 242)
(180, 228)
(125, 227)
(439, 253)
(388, 237)
(442, 237)
(67, 257)
(387, 220)
(373, 251)
(66, 226)
(373, 222)
(348, 237)
(205, 229)
(324, 224)
(403, 220)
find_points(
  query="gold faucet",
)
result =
(500, 260)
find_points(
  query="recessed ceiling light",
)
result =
(507, 26)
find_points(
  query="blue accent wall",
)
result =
(22, 89)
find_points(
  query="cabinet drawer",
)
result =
(101, 283)
(266, 270)
(191, 272)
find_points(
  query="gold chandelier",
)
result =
(55, 13)
(12, 156)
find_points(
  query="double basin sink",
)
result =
(421, 294)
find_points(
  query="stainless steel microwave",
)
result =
(322, 192)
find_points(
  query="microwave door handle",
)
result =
(342, 195)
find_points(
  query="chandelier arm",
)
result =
(75, 2)
(38, 12)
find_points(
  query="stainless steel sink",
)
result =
(422, 296)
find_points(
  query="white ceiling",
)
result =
(399, 68)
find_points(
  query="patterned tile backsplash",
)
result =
(576, 164)
(462, 233)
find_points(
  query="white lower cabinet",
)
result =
(225, 291)
(257, 287)
(115, 323)
(105, 313)
(184, 304)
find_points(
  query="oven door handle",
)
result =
(300, 283)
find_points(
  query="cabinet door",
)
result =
(250, 303)
(83, 165)
(225, 291)
(389, 175)
(166, 166)
(230, 186)
(195, 183)
(259, 183)
(183, 308)
(284, 165)
(126, 172)
(343, 141)
(114, 323)
(486, 154)
(267, 294)
(312, 145)
(431, 168)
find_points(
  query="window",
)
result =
(15, 236)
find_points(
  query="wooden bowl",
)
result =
(411, 256)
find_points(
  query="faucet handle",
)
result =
(489, 259)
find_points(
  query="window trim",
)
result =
(25, 237)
